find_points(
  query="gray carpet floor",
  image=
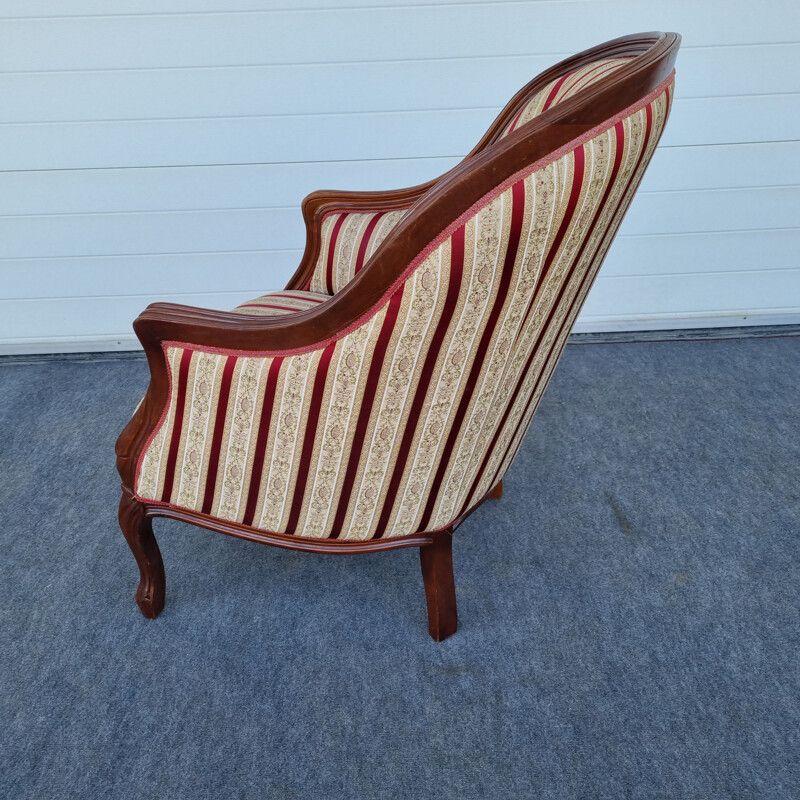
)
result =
(629, 611)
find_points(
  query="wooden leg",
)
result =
(138, 531)
(440, 589)
(497, 492)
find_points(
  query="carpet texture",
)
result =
(629, 611)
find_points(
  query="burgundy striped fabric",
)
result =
(349, 239)
(278, 303)
(562, 89)
(405, 422)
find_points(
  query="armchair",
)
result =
(382, 396)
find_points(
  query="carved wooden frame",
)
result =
(444, 199)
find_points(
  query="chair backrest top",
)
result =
(503, 151)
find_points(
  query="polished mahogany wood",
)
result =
(138, 531)
(496, 493)
(436, 560)
(433, 205)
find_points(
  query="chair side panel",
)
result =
(406, 422)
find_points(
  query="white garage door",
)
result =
(163, 154)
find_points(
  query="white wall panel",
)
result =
(163, 154)
(426, 84)
(452, 30)
(347, 137)
(759, 164)
(281, 228)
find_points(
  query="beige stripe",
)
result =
(318, 276)
(482, 407)
(318, 491)
(151, 475)
(337, 427)
(290, 405)
(493, 222)
(420, 312)
(238, 427)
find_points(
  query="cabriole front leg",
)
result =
(138, 531)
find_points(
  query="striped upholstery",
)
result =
(278, 303)
(404, 422)
(348, 241)
(563, 88)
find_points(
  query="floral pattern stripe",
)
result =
(279, 303)
(349, 239)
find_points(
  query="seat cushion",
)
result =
(277, 303)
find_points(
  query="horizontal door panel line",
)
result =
(295, 207)
(247, 163)
(276, 10)
(190, 253)
(552, 58)
(261, 290)
(184, 253)
(240, 164)
(727, 312)
(164, 297)
(705, 233)
(690, 275)
(679, 101)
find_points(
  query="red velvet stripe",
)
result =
(310, 435)
(261, 441)
(554, 91)
(451, 301)
(295, 297)
(270, 305)
(617, 162)
(516, 119)
(331, 251)
(174, 445)
(375, 369)
(517, 216)
(362, 248)
(577, 183)
(219, 427)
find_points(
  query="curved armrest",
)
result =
(222, 331)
